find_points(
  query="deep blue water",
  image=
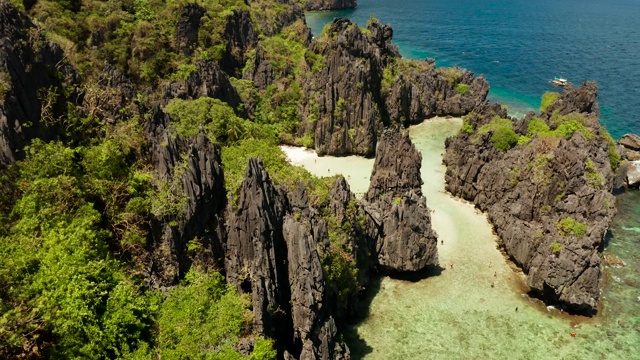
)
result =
(519, 45)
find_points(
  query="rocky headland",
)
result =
(356, 84)
(545, 182)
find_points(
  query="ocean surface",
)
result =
(519, 45)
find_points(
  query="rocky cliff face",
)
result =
(256, 256)
(316, 5)
(207, 81)
(241, 37)
(548, 198)
(272, 253)
(192, 179)
(186, 32)
(364, 86)
(314, 327)
(278, 248)
(32, 71)
(398, 217)
(111, 98)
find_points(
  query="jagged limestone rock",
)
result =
(398, 216)
(549, 199)
(315, 5)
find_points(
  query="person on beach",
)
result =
(451, 264)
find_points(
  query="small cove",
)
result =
(458, 314)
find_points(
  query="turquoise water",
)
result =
(520, 44)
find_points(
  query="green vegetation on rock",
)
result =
(555, 247)
(503, 137)
(462, 88)
(594, 178)
(569, 226)
(548, 98)
(203, 318)
(216, 118)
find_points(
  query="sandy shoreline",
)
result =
(355, 169)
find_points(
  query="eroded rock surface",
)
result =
(194, 206)
(629, 146)
(315, 5)
(549, 199)
(315, 329)
(207, 81)
(365, 87)
(399, 219)
(32, 72)
(272, 253)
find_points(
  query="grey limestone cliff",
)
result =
(549, 198)
(365, 86)
(400, 222)
(207, 81)
(32, 73)
(272, 253)
(190, 172)
(315, 5)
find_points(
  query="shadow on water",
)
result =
(357, 345)
(415, 276)
(606, 241)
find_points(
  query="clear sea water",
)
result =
(519, 45)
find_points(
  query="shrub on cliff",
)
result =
(570, 226)
(503, 136)
(504, 139)
(555, 248)
(548, 98)
(537, 125)
(462, 88)
(218, 120)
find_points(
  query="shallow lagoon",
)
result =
(459, 314)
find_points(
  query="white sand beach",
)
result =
(356, 169)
